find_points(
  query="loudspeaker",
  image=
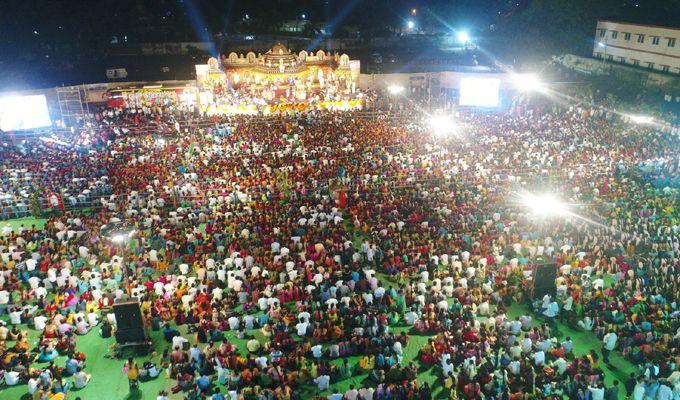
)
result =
(129, 322)
(544, 278)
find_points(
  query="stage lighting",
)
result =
(543, 205)
(463, 37)
(442, 125)
(410, 24)
(395, 89)
(641, 119)
(479, 92)
(24, 112)
(122, 237)
(118, 238)
(528, 83)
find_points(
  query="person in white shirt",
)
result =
(352, 393)
(639, 390)
(33, 384)
(39, 322)
(15, 317)
(178, 342)
(301, 327)
(304, 316)
(665, 392)
(82, 327)
(596, 392)
(11, 378)
(367, 393)
(411, 317)
(80, 379)
(539, 358)
(609, 341)
(561, 365)
(261, 362)
(317, 351)
(233, 323)
(322, 382)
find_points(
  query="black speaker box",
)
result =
(129, 322)
(544, 279)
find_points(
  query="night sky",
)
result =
(62, 37)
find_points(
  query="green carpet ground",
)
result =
(109, 383)
(15, 224)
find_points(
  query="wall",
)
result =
(592, 66)
(614, 46)
(448, 79)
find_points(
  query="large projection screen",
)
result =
(23, 112)
(479, 92)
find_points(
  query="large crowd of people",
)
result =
(343, 247)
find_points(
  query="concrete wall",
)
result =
(646, 46)
(648, 78)
(448, 80)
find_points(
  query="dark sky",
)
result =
(59, 37)
(76, 19)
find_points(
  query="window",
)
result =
(655, 40)
(636, 63)
(610, 57)
(650, 65)
(603, 32)
(665, 68)
(671, 42)
(598, 55)
(641, 38)
(626, 35)
(622, 59)
(615, 34)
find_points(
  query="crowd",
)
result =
(340, 248)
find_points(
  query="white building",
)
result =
(646, 46)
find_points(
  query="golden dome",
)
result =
(279, 49)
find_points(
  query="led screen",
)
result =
(479, 92)
(23, 112)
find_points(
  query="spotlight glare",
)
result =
(395, 89)
(410, 24)
(463, 37)
(442, 125)
(528, 83)
(544, 205)
(600, 44)
(118, 238)
(641, 119)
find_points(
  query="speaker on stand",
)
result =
(545, 273)
(130, 326)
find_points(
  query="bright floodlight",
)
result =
(528, 83)
(479, 92)
(543, 205)
(600, 44)
(442, 125)
(122, 237)
(463, 37)
(410, 24)
(641, 119)
(24, 112)
(118, 238)
(395, 89)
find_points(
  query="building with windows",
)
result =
(656, 48)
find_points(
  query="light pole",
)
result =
(604, 56)
(122, 240)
